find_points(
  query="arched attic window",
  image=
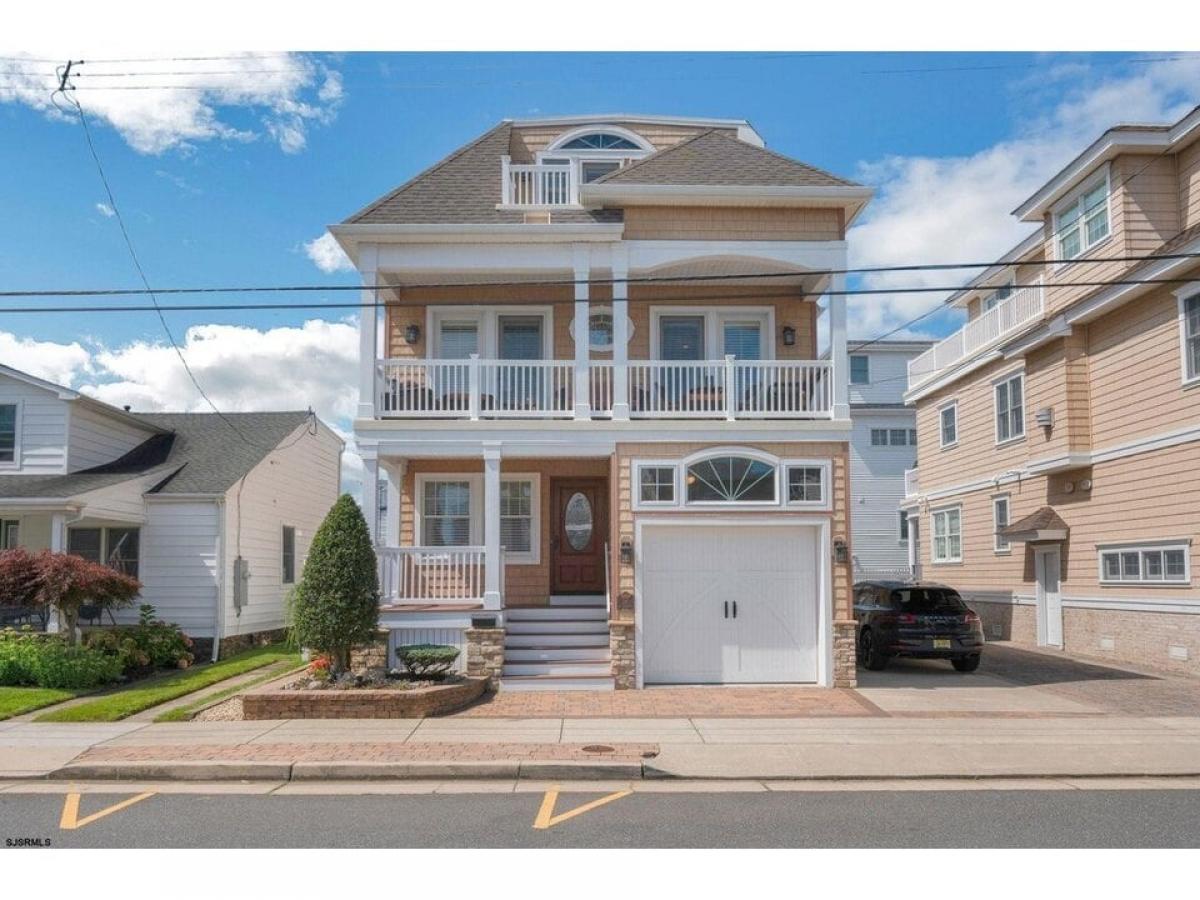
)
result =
(599, 140)
(730, 478)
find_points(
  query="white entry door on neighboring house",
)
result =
(729, 604)
(1048, 566)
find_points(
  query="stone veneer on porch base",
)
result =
(845, 654)
(624, 654)
(485, 654)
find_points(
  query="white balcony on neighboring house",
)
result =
(912, 483)
(729, 388)
(986, 331)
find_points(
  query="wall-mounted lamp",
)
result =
(841, 553)
(412, 333)
(789, 336)
(626, 551)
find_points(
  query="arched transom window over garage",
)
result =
(731, 479)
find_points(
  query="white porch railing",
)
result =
(544, 389)
(912, 483)
(982, 332)
(537, 185)
(430, 574)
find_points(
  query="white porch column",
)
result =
(838, 356)
(913, 525)
(583, 391)
(389, 535)
(492, 575)
(58, 544)
(620, 311)
(368, 333)
(370, 497)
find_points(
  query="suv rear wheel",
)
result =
(870, 652)
(966, 663)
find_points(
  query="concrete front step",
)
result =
(542, 613)
(557, 626)
(601, 668)
(595, 637)
(556, 653)
(559, 683)
(578, 600)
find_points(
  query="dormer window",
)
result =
(600, 140)
(1082, 222)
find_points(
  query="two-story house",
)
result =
(883, 446)
(1059, 429)
(212, 513)
(590, 375)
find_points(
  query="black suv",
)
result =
(923, 620)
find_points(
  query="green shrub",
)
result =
(431, 661)
(48, 661)
(337, 601)
(151, 644)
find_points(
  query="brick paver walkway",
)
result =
(674, 702)
(376, 751)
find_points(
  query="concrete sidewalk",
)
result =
(697, 748)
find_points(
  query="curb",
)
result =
(174, 771)
(375, 771)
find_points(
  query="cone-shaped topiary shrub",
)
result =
(337, 601)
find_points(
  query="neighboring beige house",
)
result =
(213, 514)
(601, 436)
(1059, 429)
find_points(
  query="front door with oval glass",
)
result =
(578, 535)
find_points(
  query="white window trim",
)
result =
(1182, 295)
(1069, 201)
(999, 549)
(714, 318)
(15, 462)
(850, 369)
(1139, 547)
(826, 467)
(953, 404)
(487, 319)
(295, 553)
(553, 148)
(601, 311)
(1011, 284)
(104, 530)
(901, 538)
(933, 514)
(637, 466)
(996, 382)
(476, 513)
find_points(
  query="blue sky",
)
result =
(226, 187)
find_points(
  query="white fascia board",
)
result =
(745, 130)
(981, 282)
(850, 197)
(804, 255)
(63, 393)
(1110, 144)
(41, 504)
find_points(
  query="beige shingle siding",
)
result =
(1189, 185)
(1151, 201)
(724, 223)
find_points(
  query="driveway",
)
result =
(1021, 682)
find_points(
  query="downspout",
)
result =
(219, 613)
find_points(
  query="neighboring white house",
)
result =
(883, 446)
(186, 502)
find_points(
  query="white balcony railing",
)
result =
(538, 185)
(430, 574)
(652, 389)
(912, 483)
(985, 331)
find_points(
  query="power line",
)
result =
(570, 282)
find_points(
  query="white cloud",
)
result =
(327, 255)
(169, 105)
(952, 209)
(240, 368)
(105, 210)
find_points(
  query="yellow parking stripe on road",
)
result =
(546, 818)
(70, 815)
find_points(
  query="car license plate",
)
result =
(941, 643)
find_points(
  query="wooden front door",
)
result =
(578, 531)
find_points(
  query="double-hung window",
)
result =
(446, 513)
(999, 522)
(516, 516)
(1010, 411)
(806, 485)
(1160, 563)
(948, 425)
(10, 534)
(903, 527)
(287, 555)
(860, 369)
(1083, 222)
(947, 535)
(8, 434)
(117, 548)
(1189, 323)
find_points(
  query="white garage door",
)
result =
(729, 604)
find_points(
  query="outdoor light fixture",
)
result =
(412, 333)
(789, 336)
(626, 552)
(841, 553)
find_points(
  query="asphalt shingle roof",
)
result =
(1043, 519)
(200, 454)
(715, 158)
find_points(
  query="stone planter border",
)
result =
(378, 703)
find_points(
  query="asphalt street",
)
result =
(857, 818)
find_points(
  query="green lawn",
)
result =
(135, 698)
(184, 713)
(17, 700)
